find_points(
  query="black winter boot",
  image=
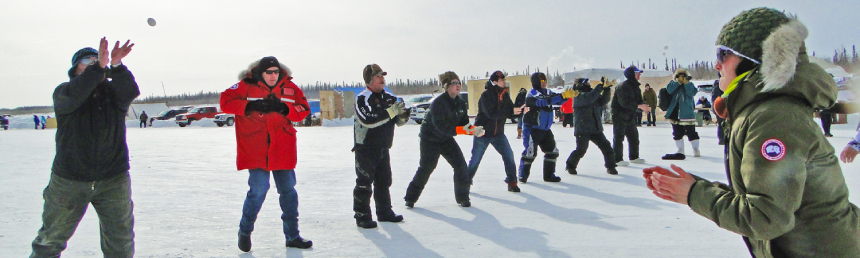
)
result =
(389, 217)
(364, 221)
(612, 171)
(245, 243)
(512, 187)
(300, 243)
(674, 156)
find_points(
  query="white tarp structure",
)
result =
(151, 109)
(611, 74)
(829, 67)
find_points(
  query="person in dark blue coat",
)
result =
(536, 128)
(588, 113)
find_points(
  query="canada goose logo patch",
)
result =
(235, 86)
(773, 150)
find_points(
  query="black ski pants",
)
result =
(532, 140)
(582, 146)
(430, 152)
(678, 132)
(372, 167)
(619, 132)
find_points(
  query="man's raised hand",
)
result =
(103, 52)
(118, 52)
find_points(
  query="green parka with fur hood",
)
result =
(786, 193)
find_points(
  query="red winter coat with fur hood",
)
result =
(265, 140)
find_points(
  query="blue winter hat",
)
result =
(84, 52)
(630, 72)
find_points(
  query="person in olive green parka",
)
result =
(786, 195)
(650, 98)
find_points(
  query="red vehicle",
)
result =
(195, 115)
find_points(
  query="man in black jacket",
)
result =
(518, 102)
(626, 100)
(494, 107)
(91, 164)
(447, 112)
(588, 113)
(376, 113)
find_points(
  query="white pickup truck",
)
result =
(225, 119)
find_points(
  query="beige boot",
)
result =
(519, 133)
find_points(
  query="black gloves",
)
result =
(259, 105)
(278, 106)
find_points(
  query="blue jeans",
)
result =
(285, 181)
(500, 143)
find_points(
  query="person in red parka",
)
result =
(567, 110)
(265, 103)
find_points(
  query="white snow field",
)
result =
(188, 199)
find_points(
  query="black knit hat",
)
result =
(536, 78)
(746, 32)
(265, 64)
(83, 52)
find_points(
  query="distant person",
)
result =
(91, 166)
(567, 113)
(494, 107)
(650, 97)
(706, 114)
(143, 118)
(536, 128)
(626, 100)
(44, 121)
(519, 102)
(37, 121)
(682, 114)
(265, 103)
(826, 121)
(377, 111)
(446, 113)
(721, 138)
(588, 109)
(786, 194)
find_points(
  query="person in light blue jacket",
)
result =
(682, 114)
(536, 128)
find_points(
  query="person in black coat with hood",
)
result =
(626, 100)
(588, 113)
(447, 112)
(518, 102)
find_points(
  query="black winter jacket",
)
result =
(443, 118)
(494, 107)
(625, 101)
(373, 127)
(91, 113)
(588, 110)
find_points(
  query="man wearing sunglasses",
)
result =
(536, 128)
(376, 113)
(91, 165)
(786, 195)
(266, 103)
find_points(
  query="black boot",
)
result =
(364, 221)
(512, 187)
(524, 170)
(300, 243)
(549, 171)
(389, 217)
(245, 243)
(461, 194)
(611, 171)
(674, 156)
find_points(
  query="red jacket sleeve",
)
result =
(297, 103)
(233, 99)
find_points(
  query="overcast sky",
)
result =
(203, 45)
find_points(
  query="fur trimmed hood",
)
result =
(781, 54)
(247, 75)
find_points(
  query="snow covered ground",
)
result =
(188, 198)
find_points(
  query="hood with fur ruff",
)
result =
(248, 76)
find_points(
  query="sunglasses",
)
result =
(724, 51)
(454, 83)
(272, 71)
(89, 61)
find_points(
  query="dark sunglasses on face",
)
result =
(722, 54)
(88, 61)
(272, 71)
(455, 83)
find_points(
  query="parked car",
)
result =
(195, 115)
(170, 113)
(225, 119)
(4, 121)
(418, 110)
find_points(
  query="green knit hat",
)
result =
(746, 32)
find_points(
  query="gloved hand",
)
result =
(259, 105)
(277, 105)
(609, 84)
(478, 131)
(405, 115)
(396, 109)
(569, 93)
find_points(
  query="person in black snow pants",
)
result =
(536, 128)
(588, 113)
(377, 111)
(446, 114)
